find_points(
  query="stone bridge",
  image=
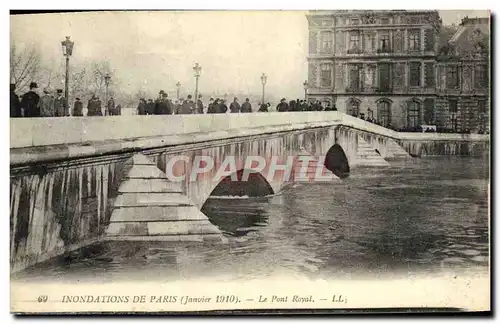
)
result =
(75, 181)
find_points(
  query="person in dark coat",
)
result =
(187, 107)
(246, 107)
(328, 107)
(46, 104)
(282, 106)
(291, 105)
(163, 105)
(94, 107)
(142, 108)
(78, 108)
(211, 109)
(222, 107)
(118, 110)
(150, 107)
(234, 107)
(263, 107)
(60, 105)
(29, 103)
(110, 107)
(199, 105)
(15, 104)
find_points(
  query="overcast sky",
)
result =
(154, 50)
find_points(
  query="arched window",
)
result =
(413, 113)
(353, 107)
(384, 112)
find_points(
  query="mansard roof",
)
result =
(470, 39)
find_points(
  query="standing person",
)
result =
(199, 105)
(110, 107)
(118, 110)
(163, 105)
(142, 108)
(78, 108)
(234, 107)
(60, 105)
(150, 107)
(221, 107)
(15, 104)
(47, 104)
(328, 107)
(263, 107)
(246, 107)
(187, 107)
(291, 105)
(29, 103)
(282, 106)
(98, 104)
(93, 108)
(211, 107)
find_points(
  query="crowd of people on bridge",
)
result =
(164, 106)
(54, 104)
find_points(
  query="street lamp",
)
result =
(197, 71)
(107, 78)
(178, 85)
(306, 85)
(263, 79)
(67, 48)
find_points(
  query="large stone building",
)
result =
(395, 67)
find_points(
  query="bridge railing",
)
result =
(33, 132)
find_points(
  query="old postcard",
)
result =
(250, 161)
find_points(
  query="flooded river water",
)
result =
(422, 215)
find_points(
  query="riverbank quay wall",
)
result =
(66, 173)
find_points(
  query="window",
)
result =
(430, 80)
(413, 113)
(384, 76)
(384, 21)
(415, 74)
(384, 113)
(369, 42)
(429, 111)
(452, 77)
(326, 42)
(354, 80)
(384, 44)
(353, 108)
(480, 77)
(414, 39)
(370, 75)
(354, 41)
(453, 105)
(326, 75)
(481, 106)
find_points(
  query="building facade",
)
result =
(388, 65)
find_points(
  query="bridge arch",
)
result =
(336, 161)
(255, 186)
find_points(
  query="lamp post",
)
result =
(67, 48)
(178, 85)
(197, 71)
(306, 85)
(263, 79)
(107, 78)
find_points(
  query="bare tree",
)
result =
(96, 83)
(78, 84)
(24, 66)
